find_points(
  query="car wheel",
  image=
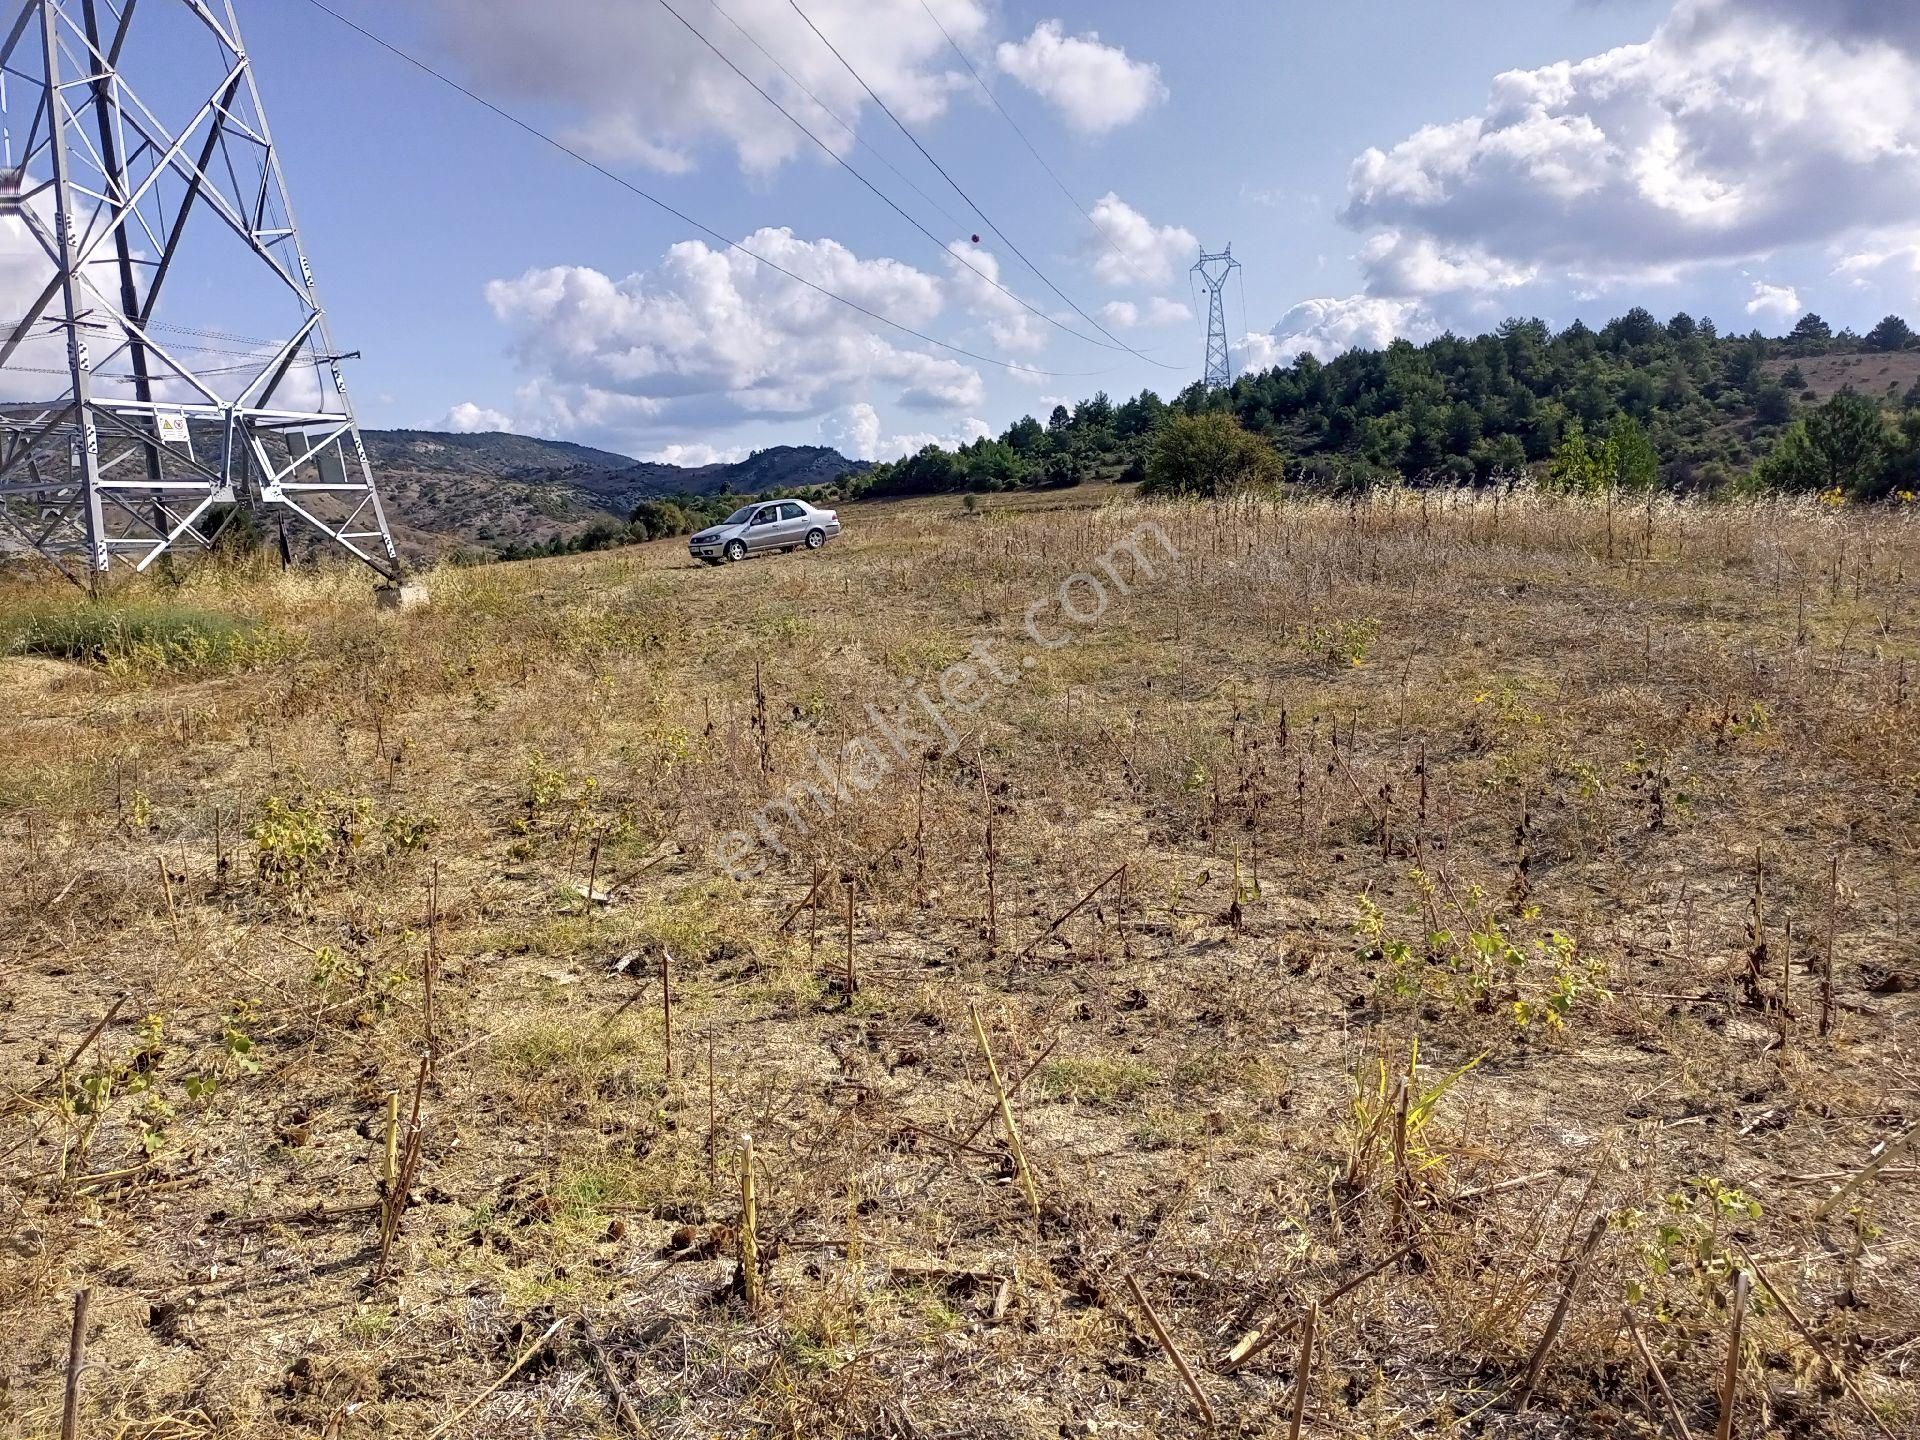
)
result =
(736, 550)
(815, 539)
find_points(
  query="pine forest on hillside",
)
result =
(1637, 403)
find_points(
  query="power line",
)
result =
(884, 198)
(834, 115)
(971, 202)
(987, 90)
(421, 65)
(1246, 324)
(210, 334)
(55, 325)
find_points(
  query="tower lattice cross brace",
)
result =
(166, 367)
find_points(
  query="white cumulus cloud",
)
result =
(1163, 311)
(467, 418)
(1888, 264)
(1780, 301)
(1257, 350)
(1140, 252)
(1325, 328)
(1404, 264)
(1126, 315)
(711, 337)
(37, 368)
(975, 278)
(856, 431)
(696, 453)
(1097, 87)
(645, 91)
(1739, 128)
(1857, 21)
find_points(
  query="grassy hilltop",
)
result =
(1564, 812)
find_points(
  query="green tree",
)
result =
(994, 465)
(237, 530)
(1842, 445)
(1066, 466)
(1196, 398)
(1095, 413)
(931, 471)
(1891, 333)
(1210, 455)
(1386, 439)
(1901, 469)
(1792, 464)
(1499, 456)
(1139, 416)
(1575, 469)
(1628, 460)
(1464, 427)
(1026, 437)
(1810, 335)
(1636, 327)
(1638, 392)
(657, 518)
(1450, 409)
(1772, 405)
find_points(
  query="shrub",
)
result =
(301, 840)
(656, 519)
(297, 840)
(1209, 455)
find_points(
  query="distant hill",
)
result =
(495, 453)
(445, 491)
(1711, 408)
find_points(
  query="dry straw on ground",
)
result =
(1367, 904)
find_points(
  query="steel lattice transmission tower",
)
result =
(1213, 270)
(165, 363)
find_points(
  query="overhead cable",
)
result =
(529, 128)
(885, 199)
(972, 204)
(1013, 124)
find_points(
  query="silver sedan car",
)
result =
(765, 526)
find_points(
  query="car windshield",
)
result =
(740, 517)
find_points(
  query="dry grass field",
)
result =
(1448, 964)
(1874, 375)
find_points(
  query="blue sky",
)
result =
(1381, 167)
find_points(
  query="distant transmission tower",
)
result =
(1214, 270)
(138, 416)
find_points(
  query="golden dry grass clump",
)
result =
(1486, 926)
